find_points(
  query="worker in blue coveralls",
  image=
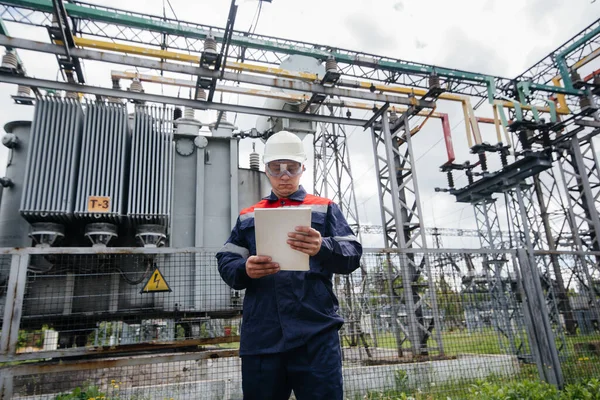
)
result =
(289, 333)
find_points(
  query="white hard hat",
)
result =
(284, 145)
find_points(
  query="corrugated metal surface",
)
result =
(52, 160)
(151, 166)
(102, 169)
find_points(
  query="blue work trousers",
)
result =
(312, 371)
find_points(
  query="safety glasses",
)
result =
(278, 168)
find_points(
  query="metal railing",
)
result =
(160, 323)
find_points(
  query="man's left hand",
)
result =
(305, 239)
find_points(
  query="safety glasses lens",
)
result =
(277, 169)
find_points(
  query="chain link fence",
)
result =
(160, 323)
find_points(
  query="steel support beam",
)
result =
(401, 214)
(204, 72)
(545, 70)
(154, 98)
(554, 218)
(530, 234)
(578, 173)
(539, 329)
(332, 172)
(333, 179)
(506, 316)
(86, 364)
(266, 48)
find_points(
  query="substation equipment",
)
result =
(92, 170)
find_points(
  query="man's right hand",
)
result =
(259, 266)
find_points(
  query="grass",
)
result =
(455, 343)
(577, 366)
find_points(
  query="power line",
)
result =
(255, 18)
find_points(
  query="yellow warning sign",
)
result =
(98, 204)
(156, 283)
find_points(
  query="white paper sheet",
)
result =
(271, 227)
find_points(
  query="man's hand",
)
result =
(259, 266)
(305, 239)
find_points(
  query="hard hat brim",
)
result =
(268, 159)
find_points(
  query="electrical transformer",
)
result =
(108, 174)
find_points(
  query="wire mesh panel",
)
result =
(147, 325)
(110, 299)
(84, 306)
(378, 359)
(580, 351)
(208, 374)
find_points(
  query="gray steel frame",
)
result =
(154, 98)
(527, 221)
(332, 172)
(333, 179)
(583, 210)
(506, 317)
(302, 86)
(401, 215)
(188, 36)
(553, 216)
(101, 21)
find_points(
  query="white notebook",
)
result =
(271, 227)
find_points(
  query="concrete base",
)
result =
(221, 378)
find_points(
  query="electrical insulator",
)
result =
(136, 86)
(450, 179)
(254, 159)
(55, 23)
(584, 102)
(200, 94)
(23, 91)
(575, 77)
(483, 161)
(331, 64)
(189, 113)
(10, 61)
(210, 44)
(504, 158)
(434, 81)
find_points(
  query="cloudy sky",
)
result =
(499, 37)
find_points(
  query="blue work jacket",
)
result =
(284, 310)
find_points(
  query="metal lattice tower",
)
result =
(581, 177)
(556, 227)
(580, 173)
(498, 280)
(527, 222)
(332, 172)
(333, 179)
(401, 215)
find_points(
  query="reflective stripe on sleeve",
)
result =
(348, 238)
(235, 249)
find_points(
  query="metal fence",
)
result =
(159, 323)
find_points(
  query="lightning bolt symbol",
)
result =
(156, 280)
